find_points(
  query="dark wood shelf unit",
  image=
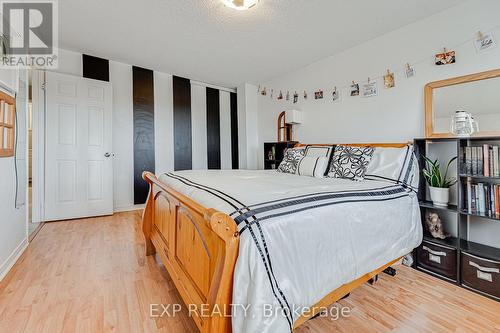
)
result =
(279, 149)
(480, 250)
(483, 216)
(448, 241)
(460, 241)
(429, 204)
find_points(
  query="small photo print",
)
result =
(287, 95)
(295, 98)
(355, 89)
(389, 80)
(370, 89)
(318, 94)
(445, 58)
(280, 96)
(264, 92)
(484, 42)
(335, 94)
(305, 94)
(409, 71)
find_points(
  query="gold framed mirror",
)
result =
(477, 94)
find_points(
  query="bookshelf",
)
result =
(474, 243)
(274, 152)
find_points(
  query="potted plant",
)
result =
(439, 184)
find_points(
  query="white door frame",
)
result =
(38, 146)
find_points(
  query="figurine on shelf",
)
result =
(434, 225)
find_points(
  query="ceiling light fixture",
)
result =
(240, 4)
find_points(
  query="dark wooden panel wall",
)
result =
(234, 132)
(95, 68)
(144, 140)
(213, 128)
(182, 124)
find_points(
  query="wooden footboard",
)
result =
(198, 246)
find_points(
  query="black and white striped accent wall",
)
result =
(214, 127)
(197, 121)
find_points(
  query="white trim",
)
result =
(208, 85)
(129, 208)
(38, 148)
(12, 259)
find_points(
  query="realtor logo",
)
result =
(29, 35)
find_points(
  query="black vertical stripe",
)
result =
(183, 159)
(144, 141)
(234, 132)
(213, 128)
(95, 68)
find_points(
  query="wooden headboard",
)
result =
(381, 145)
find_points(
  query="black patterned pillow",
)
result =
(291, 160)
(350, 162)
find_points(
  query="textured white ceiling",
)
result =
(204, 40)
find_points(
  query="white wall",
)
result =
(13, 232)
(395, 114)
(248, 130)
(123, 134)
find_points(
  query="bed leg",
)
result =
(147, 217)
(373, 280)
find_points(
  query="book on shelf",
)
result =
(482, 199)
(480, 160)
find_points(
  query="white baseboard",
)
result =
(129, 208)
(12, 259)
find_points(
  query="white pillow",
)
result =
(394, 164)
(313, 166)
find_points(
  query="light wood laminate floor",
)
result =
(91, 275)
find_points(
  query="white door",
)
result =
(78, 148)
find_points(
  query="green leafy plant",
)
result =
(433, 176)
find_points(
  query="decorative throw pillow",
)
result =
(317, 151)
(350, 162)
(291, 160)
(313, 166)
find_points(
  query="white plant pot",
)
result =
(439, 196)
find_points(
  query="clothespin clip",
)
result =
(368, 80)
(444, 50)
(353, 83)
(407, 65)
(480, 35)
(388, 72)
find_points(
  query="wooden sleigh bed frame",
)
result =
(199, 248)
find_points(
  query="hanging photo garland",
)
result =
(354, 89)
(335, 94)
(389, 80)
(409, 71)
(445, 58)
(370, 88)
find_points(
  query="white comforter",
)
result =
(302, 237)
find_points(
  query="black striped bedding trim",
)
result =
(295, 202)
(308, 195)
(315, 165)
(260, 219)
(269, 270)
(404, 163)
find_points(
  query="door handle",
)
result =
(109, 154)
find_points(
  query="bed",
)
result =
(261, 251)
